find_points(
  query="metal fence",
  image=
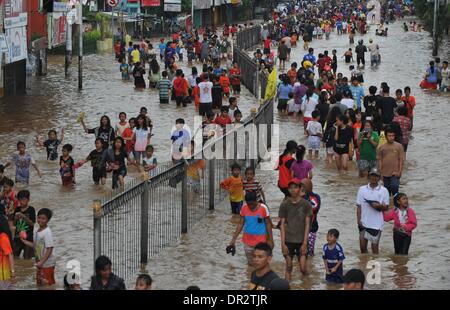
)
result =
(152, 213)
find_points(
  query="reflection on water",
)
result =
(200, 258)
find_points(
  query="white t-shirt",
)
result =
(292, 106)
(121, 128)
(205, 92)
(371, 218)
(348, 102)
(150, 161)
(141, 139)
(42, 240)
(314, 128)
(373, 49)
(308, 106)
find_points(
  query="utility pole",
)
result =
(435, 37)
(80, 46)
(112, 29)
(192, 14)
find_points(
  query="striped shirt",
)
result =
(253, 186)
(164, 86)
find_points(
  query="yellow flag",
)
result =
(271, 88)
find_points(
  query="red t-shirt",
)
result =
(235, 80)
(129, 144)
(285, 174)
(410, 105)
(267, 43)
(224, 81)
(223, 121)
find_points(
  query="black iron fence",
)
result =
(152, 213)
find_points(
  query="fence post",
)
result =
(97, 207)
(144, 221)
(184, 202)
(212, 179)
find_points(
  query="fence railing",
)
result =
(150, 214)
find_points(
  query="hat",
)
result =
(295, 181)
(374, 171)
(279, 284)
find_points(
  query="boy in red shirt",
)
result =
(224, 81)
(235, 75)
(196, 94)
(223, 119)
(292, 73)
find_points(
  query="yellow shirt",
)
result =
(235, 187)
(135, 56)
(382, 139)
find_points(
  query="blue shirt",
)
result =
(162, 48)
(358, 94)
(332, 257)
(284, 90)
(310, 57)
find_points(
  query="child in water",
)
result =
(67, 164)
(98, 163)
(333, 257)
(124, 69)
(22, 161)
(51, 144)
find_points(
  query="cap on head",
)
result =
(296, 182)
(374, 171)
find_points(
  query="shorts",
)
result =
(194, 185)
(19, 246)
(237, 88)
(363, 233)
(249, 252)
(341, 150)
(311, 243)
(282, 104)
(282, 59)
(165, 100)
(288, 51)
(295, 249)
(266, 51)
(236, 207)
(217, 105)
(205, 108)
(98, 174)
(330, 150)
(45, 276)
(115, 177)
(314, 143)
(366, 165)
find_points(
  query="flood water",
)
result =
(54, 101)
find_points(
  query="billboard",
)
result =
(16, 40)
(57, 30)
(172, 5)
(146, 3)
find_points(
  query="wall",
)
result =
(37, 23)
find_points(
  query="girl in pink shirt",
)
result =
(404, 222)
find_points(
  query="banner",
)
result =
(151, 3)
(14, 7)
(17, 21)
(172, 5)
(16, 40)
(202, 4)
(57, 31)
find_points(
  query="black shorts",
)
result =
(266, 51)
(282, 59)
(282, 104)
(163, 100)
(217, 105)
(295, 249)
(204, 109)
(98, 174)
(288, 51)
(341, 151)
(19, 246)
(237, 88)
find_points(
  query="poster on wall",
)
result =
(57, 30)
(16, 40)
(13, 8)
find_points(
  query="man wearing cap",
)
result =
(371, 201)
(255, 222)
(295, 217)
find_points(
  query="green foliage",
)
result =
(92, 36)
(425, 11)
